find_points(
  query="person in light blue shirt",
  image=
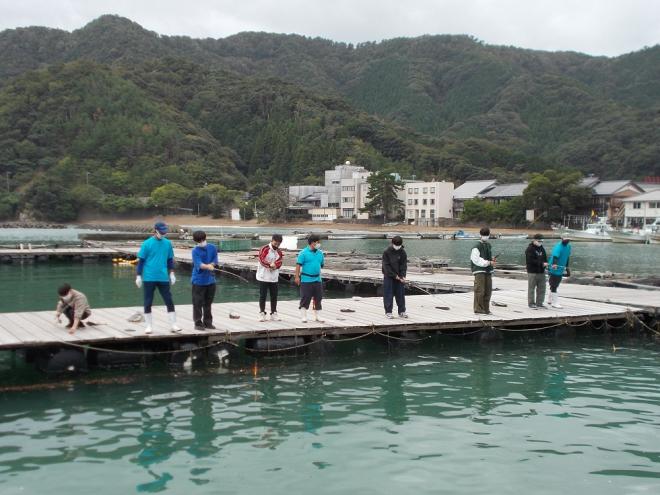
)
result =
(155, 270)
(558, 268)
(205, 261)
(308, 276)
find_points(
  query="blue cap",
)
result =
(161, 227)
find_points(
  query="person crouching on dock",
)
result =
(268, 275)
(155, 260)
(205, 260)
(308, 277)
(72, 304)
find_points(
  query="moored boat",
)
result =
(629, 237)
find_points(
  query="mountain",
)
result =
(259, 106)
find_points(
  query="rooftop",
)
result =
(472, 188)
(648, 196)
(609, 187)
(505, 190)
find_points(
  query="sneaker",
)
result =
(403, 315)
(262, 316)
(389, 315)
(541, 306)
(200, 327)
(532, 306)
(210, 326)
(275, 317)
(175, 328)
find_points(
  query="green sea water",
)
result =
(368, 417)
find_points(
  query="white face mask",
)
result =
(159, 235)
(537, 243)
(202, 244)
(396, 248)
(318, 245)
(485, 237)
(67, 298)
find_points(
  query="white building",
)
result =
(325, 214)
(333, 183)
(426, 202)
(354, 190)
(642, 209)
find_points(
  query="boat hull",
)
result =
(629, 238)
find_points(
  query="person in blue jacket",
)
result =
(558, 266)
(155, 270)
(308, 276)
(205, 261)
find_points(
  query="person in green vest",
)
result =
(483, 263)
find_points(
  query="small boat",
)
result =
(623, 237)
(461, 235)
(598, 231)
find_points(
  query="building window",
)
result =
(409, 201)
(425, 190)
(335, 182)
(654, 205)
(637, 205)
(432, 212)
(411, 213)
(422, 213)
(410, 190)
(417, 190)
(432, 201)
(416, 201)
(348, 199)
(433, 190)
(348, 188)
(424, 201)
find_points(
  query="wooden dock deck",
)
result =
(364, 315)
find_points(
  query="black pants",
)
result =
(68, 312)
(165, 293)
(202, 299)
(554, 280)
(309, 290)
(393, 289)
(264, 288)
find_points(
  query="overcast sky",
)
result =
(597, 27)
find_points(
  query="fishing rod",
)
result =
(220, 270)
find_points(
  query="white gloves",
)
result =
(138, 281)
(172, 278)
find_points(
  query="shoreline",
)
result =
(145, 224)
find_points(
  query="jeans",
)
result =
(309, 291)
(202, 299)
(483, 289)
(393, 289)
(264, 289)
(555, 280)
(164, 289)
(535, 287)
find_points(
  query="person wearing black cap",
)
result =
(155, 270)
(536, 260)
(482, 263)
(395, 266)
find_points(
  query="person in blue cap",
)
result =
(155, 270)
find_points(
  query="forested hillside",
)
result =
(137, 110)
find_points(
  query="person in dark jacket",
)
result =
(482, 263)
(536, 260)
(395, 266)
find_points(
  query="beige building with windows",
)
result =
(426, 202)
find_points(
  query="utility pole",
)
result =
(7, 174)
(87, 178)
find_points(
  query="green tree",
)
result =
(273, 204)
(216, 199)
(555, 193)
(8, 205)
(170, 195)
(382, 196)
(50, 200)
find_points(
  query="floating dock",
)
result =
(449, 313)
